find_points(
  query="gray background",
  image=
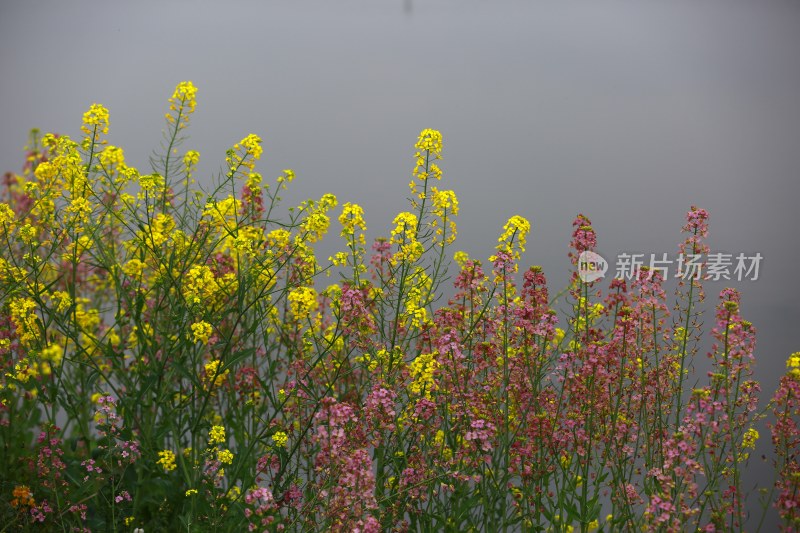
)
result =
(629, 111)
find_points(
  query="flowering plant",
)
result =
(172, 360)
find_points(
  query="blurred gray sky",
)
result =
(629, 111)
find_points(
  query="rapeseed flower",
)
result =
(216, 435)
(167, 460)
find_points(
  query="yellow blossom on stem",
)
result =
(182, 104)
(216, 435)
(302, 301)
(201, 331)
(430, 140)
(245, 153)
(225, 457)
(213, 377)
(280, 439)
(793, 364)
(352, 217)
(167, 460)
(421, 372)
(404, 236)
(95, 121)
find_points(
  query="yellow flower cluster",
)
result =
(316, 223)
(430, 141)
(167, 460)
(152, 183)
(213, 378)
(516, 229)
(49, 358)
(62, 176)
(28, 234)
(279, 238)
(185, 94)
(7, 216)
(199, 286)
(429, 146)
(112, 164)
(134, 269)
(288, 177)
(201, 331)
(302, 301)
(280, 438)
(404, 235)
(95, 121)
(216, 435)
(182, 104)
(245, 153)
(418, 297)
(190, 160)
(421, 372)
(158, 232)
(793, 364)
(445, 206)
(225, 456)
(749, 438)
(23, 314)
(352, 217)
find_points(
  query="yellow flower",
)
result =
(28, 233)
(95, 121)
(517, 228)
(191, 492)
(167, 460)
(252, 144)
(405, 236)
(421, 372)
(245, 153)
(302, 301)
(213, 377)
(61, 300)
(112, 156)
(201, 332)
(317, 222)
(430, 140)
(134, 268)
(288, 177)
(23, 314)
(190, 160)
(793, 364)
(7, 215)
(445, 206)
(749, 438)
(352, 217)
(182, 104)
(216, 435)
(151, 183)
(225, 456)
(280, 439)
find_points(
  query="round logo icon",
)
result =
(591, 266)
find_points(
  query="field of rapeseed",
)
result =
(174, 359)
